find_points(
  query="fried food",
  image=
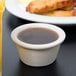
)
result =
(67, 8)
(40, 6)
(61, 13)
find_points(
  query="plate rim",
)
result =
(13, 9)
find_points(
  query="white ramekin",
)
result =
(38, 54)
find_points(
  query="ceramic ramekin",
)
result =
(38, 54)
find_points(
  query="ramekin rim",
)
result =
(55, 28)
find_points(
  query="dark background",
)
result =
(65, 65)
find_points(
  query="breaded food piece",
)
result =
(67, 8)
(61, 13)
(39, 6)
(75, 3)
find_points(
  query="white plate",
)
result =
(14, 7)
